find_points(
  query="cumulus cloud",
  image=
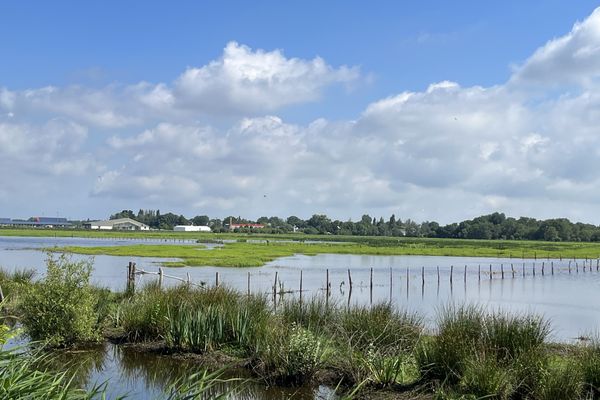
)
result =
(242, 81)
(570, 59)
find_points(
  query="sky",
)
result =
(428, 110)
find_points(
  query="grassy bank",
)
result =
(252, 254)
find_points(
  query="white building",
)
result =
(191, 228)
(123, 224)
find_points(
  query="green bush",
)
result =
(61, 309)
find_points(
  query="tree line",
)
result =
(492, 226)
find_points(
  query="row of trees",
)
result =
(492, 226)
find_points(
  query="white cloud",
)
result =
(570, 59)
(242, 81)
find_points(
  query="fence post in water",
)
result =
(327, 281)
(349, 279)
(160, 277)
(438, 275)
(371, 286)
(523, 270)
(301, 287)
(597, 264)
(552, 267)
(533, 268)
(465, 275)
(422, 276)
(248, 284)
(576, 266)
(407, 281)
(491, 272)
(479, 272)
(569, 266)
(275, 288)
(391, 284)
(502, 270)
(217, 279)
(542, 268)
(189, 281)
(451, 273)
(133, 270)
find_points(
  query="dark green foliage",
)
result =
(61, 309)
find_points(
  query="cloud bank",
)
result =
(529, 146)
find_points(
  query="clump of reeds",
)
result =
(486, 354)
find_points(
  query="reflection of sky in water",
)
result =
(568, 299)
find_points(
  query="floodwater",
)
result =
(545, 287)
(563, 291)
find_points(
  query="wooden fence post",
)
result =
(160, 277)
(217, 279)
(248, 284)
(349, 279)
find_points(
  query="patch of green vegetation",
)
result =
(254, 254)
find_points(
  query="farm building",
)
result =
(122, 224)
(37, 222)
(191, 228)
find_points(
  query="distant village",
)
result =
(120, 224)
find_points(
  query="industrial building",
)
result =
(37, 222)
(192, 228)
(122, 224)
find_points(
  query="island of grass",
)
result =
(255, 254)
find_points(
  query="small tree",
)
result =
(61, 308)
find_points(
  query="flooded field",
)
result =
(564, 291)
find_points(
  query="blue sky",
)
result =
(114, 93)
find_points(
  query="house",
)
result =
(236, 226)
(192, 228)
(122, 224)
(5, 222)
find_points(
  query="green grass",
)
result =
(251, 254)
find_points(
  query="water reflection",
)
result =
(147, 375)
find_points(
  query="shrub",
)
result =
(61, 308)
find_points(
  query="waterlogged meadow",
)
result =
(260, 252)
(372, 351)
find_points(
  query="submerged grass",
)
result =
(251, 254)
